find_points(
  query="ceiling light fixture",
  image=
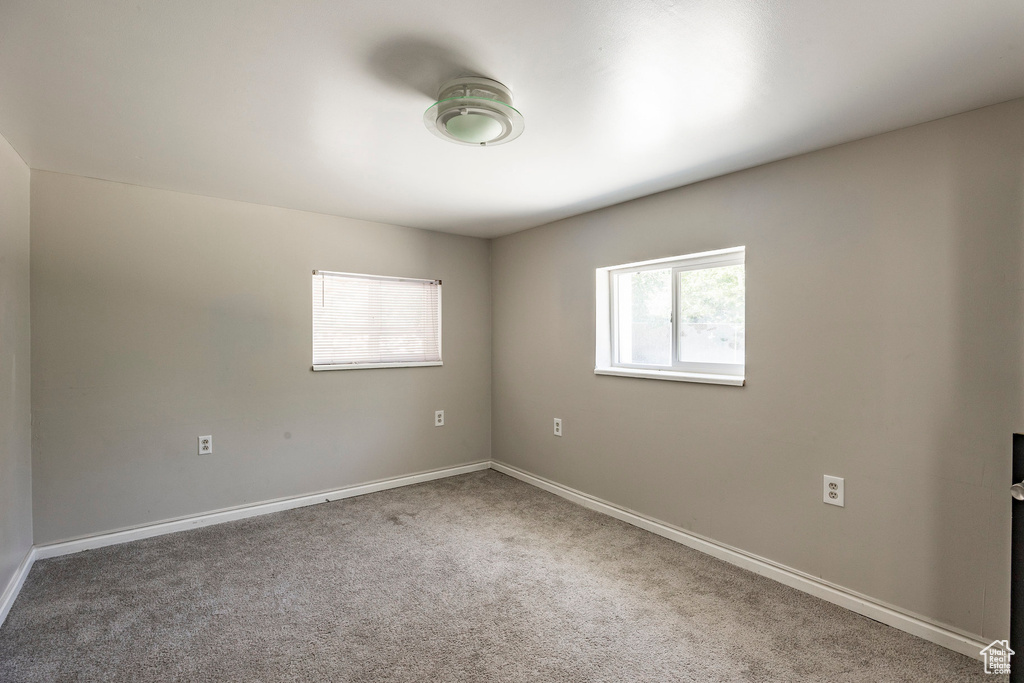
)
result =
(474, 111)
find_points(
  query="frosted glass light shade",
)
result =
(474, 111)
(475, 128)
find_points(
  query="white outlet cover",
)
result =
(558, 426)
(439, 418)
(205, 445)
(834, 491)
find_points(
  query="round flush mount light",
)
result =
(474, 111)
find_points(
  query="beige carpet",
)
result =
(473, 578)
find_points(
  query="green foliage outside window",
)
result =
(712, 295)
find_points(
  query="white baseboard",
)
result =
(946, 636)
(10, 593)
(241, 512)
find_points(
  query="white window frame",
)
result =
(607, 331)
(400, 364)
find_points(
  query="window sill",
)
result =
(673, 376)
(371, 366)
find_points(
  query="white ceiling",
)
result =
(318, 105)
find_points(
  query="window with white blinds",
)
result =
(370, 321)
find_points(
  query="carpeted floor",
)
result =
(473, 578)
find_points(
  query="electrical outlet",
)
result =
(834, 494)
(205, 445)
(439, 418)
(558, 426)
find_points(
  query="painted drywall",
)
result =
(15, 366)
(884, 337)
(160, 316)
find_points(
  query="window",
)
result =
(679, 318)
(370, 321)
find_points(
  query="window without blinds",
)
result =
(370, 321)
(680, 318)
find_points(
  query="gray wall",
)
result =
(15, 403)
(884, 337)
(159, 316)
